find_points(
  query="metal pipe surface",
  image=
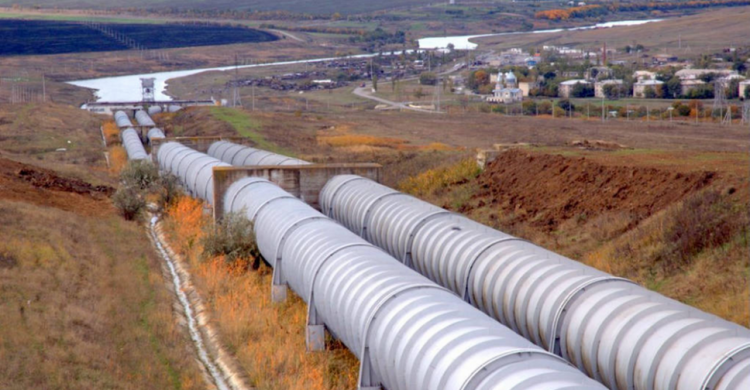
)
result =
(144, 119)
(131, 141)
(615, 331)
(411, 333)
(122, 120)
(408, 332)
(192, 168)
(240, 155)
(155, 133)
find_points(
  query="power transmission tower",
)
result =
(236, 99)
(720, 98)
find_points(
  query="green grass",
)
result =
(246, 127)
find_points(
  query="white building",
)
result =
(599, 87)
(744, 85)
(506, 89)
(566, 87)
(639, 88)
(694, 74)
(641, 75)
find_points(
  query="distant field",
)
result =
(26, 37)
(297, 6)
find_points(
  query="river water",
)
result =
(128, 88)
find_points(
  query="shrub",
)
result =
(140, 174)
(129, 202)
(232, 238)
(565, 104)
(545, 108)
(428, 78)
(529, 107)
(169, 189)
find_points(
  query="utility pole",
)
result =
(44, 89)
(602, 110)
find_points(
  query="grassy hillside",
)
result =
(296, 6)
(83, 303)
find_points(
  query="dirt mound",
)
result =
(547, 190)
(44, 179)
(26, 183)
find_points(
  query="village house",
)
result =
(640, 88)
(566, 87)
(599, 87)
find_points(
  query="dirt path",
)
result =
(218, 365)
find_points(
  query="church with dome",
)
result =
(506, 89)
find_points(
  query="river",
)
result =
(128, 88)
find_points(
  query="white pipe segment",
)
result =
(409, 332)
(131, 141)
(122, 120)
(240, 155)
(144, 119)
(155, 133)
(615, 331)
(153, 110)
(194, 169)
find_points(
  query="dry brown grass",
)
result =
(83, 305)
(118, 159)
(111, 133)
(268, 340)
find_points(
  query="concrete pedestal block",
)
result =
(278, 293)
(315, 337)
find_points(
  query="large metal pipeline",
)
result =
(240, 155)
(122, 120)
(617, 332)
(131, 141)
(155, 133)
(194, 169)
(144, 119)
(409, 333)
(153, 110)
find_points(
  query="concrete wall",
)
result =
(302, 181)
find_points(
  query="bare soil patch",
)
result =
(29, 184)
(550, 189)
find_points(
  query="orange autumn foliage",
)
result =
(111, 133)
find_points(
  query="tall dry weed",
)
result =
(433, 180)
